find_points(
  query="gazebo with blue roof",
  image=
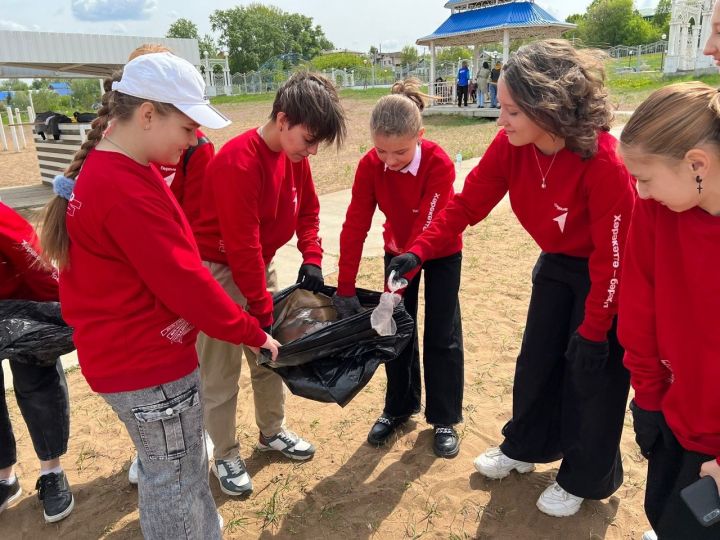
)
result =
(474, 22)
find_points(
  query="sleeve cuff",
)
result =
(258, 339)
(346, 289)
(313, 258)
(649, 402)
(592, 333)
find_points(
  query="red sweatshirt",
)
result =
(409, 202)
(583, 212)
(186, 182)
(22, 274)
(669, 320)
(135, 289)
(254, 200)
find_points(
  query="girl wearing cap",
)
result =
(556, 159)
(410, 179)
(185, 177)
(669, 310)
(258, 192)
(133, 286)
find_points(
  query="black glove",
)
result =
(585, 354)
(649, 427)
(310, 278)
(402, 264)
(346, 306)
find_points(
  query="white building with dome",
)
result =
(689, 30)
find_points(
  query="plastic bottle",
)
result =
(458, 159)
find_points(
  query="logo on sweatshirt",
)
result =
(561, 218)
(668, 366)
(177, 331)
(73, 205)
(615, 246)
(431, 212)
(35, 259)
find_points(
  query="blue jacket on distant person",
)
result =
(463, 76)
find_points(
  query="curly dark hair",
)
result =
(562, 90)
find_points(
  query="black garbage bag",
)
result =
(33, 332)
(330, 360)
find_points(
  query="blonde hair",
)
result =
(673, 120)
(148, 48)
(562, 90)
(399, 113)
(115, 106)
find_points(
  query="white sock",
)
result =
(56, 470)
(9, 481)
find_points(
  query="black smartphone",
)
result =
(703, 500)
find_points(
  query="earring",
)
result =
(699, 184)
(147, 126)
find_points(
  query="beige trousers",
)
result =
(220, 364)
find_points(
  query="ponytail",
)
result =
(399, 114)
(54, 237)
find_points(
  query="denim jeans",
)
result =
(42, 396)
(166, 425)
(493, 94)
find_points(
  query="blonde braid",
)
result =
(54, 237)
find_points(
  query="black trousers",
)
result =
(443, 354)
(42, 395)
(462, 93)
(670, 469)
(559, 409)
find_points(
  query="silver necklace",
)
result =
(543, 175)
(116, 145)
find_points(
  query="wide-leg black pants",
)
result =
(443, 354)
(561, 411)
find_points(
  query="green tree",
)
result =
(451, 54)
(86, 93)
(256, 33)
(409, 55)
(616, 22)
(186, 29)
(661, 20)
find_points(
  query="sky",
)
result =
(348, 24)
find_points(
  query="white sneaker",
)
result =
(221, 522)
(133, 471)
(494, 464)
(649, 535)
(557, 502)
(233, 476)
(287, 443)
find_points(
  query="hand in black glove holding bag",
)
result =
(587, 355)
(402, 264)
(649, 427)
(310, 278)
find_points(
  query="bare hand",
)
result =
(711, 468)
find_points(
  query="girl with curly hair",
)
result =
(556, 159)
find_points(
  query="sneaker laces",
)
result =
(384, 420)
(47, 483)
(288, 437)
(235, 466)
(444, 431)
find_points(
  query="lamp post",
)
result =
(630, 55)
(662, 53)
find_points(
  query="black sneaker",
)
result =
(9, 493)
(384, 427)
(446, 442)
(54, 492)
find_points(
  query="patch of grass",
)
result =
(264, 97)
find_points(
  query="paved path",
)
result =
(332, 216)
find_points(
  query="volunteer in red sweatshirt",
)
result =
(134, 288)
(669, 316)
(410, 180)
(258, 192)
(40, 389)
(185, 177)
(570, 191)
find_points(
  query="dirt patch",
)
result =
(350, 490)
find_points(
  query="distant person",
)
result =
(134, 288)
(185, 177)
(482, 79)
(410, 179)
(40, 391)
(493, 84)
(258, 193)
(574, 196)
(463, 79)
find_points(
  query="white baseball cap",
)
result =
(166, 78)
